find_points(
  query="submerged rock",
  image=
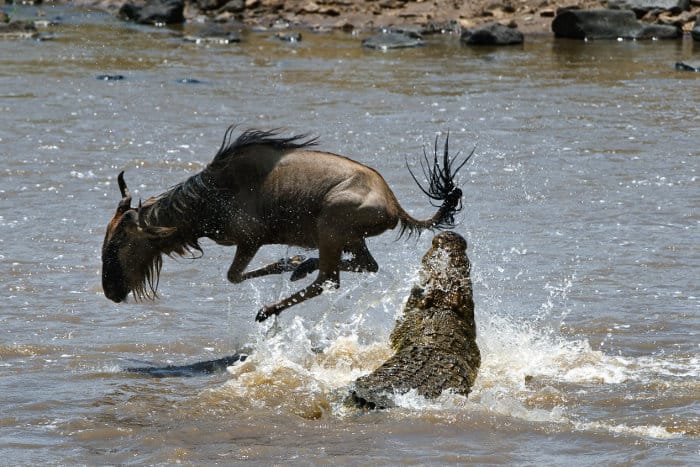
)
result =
(188, 81)
(608, 24)
(213, 34)
(393, 40)
(18, 30)
(288, 36)
(492, 34)
(435, 339)
(110, 77)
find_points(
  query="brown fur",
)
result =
(264, 189)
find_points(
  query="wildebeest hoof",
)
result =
(291, 264)
(304, 269)
(265, 313)
(261, 316)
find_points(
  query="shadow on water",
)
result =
(193, 369)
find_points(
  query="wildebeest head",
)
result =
(131, 257)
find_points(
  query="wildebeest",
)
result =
(263, 188)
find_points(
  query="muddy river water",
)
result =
(581, 209)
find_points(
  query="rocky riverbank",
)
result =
(529, 16)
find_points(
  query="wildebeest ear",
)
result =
(158, 232)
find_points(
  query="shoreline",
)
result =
(528, 16)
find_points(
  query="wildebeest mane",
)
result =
(230, 148)
(191, 198)
(180, 200)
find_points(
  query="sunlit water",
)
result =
(581, 212)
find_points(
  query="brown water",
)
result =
(581, 210)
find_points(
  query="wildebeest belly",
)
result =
(293, 227)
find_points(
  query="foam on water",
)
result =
(529, 372)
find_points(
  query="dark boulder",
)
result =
(608, 24)
(435, 339)
(492, 34)
(393, 40)
(695, 33)
(154, 12)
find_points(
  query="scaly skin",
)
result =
(435, 339)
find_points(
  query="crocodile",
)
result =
(435, 339)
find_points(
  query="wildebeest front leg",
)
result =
(243, 257)
(361, 261)
(245, 253)
(283, 265)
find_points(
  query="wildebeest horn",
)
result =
(122, 185)
(125, 203)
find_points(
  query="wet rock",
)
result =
(659, 31)
(18, 30)
(288, 36)
(685, 66)
(110, 77)
(213, 34)
(233, 6)
(393, 40)
(188, 81)
(154, 12)
(435, 339)
(442, 27)
(695, 33)
(642, 7)
(492, 34)
(206, 5)
(608, 24)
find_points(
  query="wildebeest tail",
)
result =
(440, 188)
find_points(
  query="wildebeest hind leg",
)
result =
(361, 261)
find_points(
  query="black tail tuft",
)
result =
(440, 178)
(441, 188)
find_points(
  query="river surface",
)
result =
(581, 209)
